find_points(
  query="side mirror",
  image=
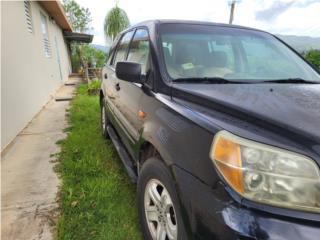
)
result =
(129, 71)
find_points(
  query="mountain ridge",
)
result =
(301, 43)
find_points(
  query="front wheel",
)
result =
(159, 208)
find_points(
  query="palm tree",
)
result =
(116, 20)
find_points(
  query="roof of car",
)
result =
(160, 21)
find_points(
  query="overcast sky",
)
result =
(299, 17)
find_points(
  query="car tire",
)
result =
(104, 119)
(160, 214)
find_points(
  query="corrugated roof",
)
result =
(78, 37)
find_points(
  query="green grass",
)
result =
(97, 199)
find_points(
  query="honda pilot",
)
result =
(219, 125)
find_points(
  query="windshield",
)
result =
(204, 51)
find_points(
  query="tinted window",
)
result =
(122, 48)
(112, 50)
(225, 48)
(261, 55)
(139, 48)
(201, 51)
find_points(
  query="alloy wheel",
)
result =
(160, 212)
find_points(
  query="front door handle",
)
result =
(117, 86)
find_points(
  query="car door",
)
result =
(108, 80)
(111, 83)
(130, 93)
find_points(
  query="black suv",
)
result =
(220, 127)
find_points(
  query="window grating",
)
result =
(44, 30)
(27, 12)
(47, 48)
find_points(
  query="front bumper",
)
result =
(210, 213)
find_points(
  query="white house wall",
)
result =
(28, 77)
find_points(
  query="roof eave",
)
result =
(55, 10)
(78, 37)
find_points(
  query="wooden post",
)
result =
(86, 72)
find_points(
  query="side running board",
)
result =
(124, 156)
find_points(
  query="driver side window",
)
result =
(139, 49)
(122, 48)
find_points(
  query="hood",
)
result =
(295, 107)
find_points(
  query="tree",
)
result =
(101, 58)
(313, 56)
(116, 20)
(93, 57)
(79, 17)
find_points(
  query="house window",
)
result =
(45, 35)
(27, 12)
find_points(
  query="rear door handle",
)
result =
(117, 86)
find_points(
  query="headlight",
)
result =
(267, 174)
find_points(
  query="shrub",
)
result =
(94, 87)
(313, 56)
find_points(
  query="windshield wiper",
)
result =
(219, 80)
(208, 80)
(290, 80)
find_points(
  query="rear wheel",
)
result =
(103, 119)
(159, 208)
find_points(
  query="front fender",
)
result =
(178, 140)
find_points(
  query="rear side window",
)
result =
(139, 49)
(122, 48)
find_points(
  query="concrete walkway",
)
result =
(29, 184)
